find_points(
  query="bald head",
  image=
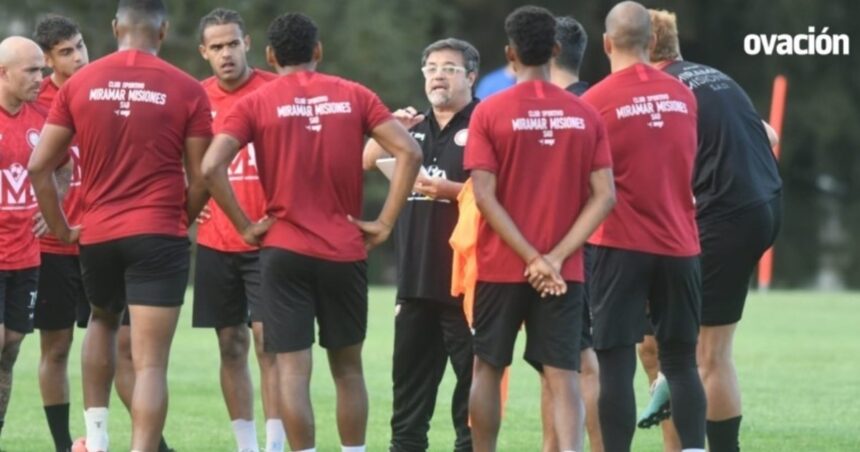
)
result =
(15, 50)
(628, 26)
(21, 64)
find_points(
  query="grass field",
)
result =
(798, 355)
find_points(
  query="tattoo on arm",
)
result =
(63, 175)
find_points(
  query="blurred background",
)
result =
(379, 43)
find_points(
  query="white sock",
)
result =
(96, 420)
(353, 448)
(312, 449)
(246, 435)
(275, 435)
(693, 450)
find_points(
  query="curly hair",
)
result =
(665, 27)
(53, 30)
(293, 37)
(531, 31)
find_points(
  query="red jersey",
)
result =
(218, 232)
(132, 112)
(308, 130)
(651, 120)
(19, 134)
(542, 143)
(72, 201)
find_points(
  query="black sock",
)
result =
(58, 423)
(162, 446)
(723, 435)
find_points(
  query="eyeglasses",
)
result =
(447, 70)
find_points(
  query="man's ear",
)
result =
(271, 60)
(318, 52)
(511, 57)
(162, 31)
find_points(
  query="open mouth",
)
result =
(228, 66)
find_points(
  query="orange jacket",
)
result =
(464, 277)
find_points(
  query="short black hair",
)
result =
(220, 16)
(471, 57)
(54, 29)
(531, 30)
(572, 37)
(143, 9)
(293, 37)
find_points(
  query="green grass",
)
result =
(798, 355)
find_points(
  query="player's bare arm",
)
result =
(395, 140)
(214, 168)
(197, 195)
(494, 213)
(49, 154)
(600, 202)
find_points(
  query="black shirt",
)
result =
(578, 88)
(424, 257)
(735, 167)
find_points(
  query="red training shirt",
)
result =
(19, 134)
(308, 130)
(132, 112)
(72, 201)
(542, 143)
(218, 232)
(651, 120)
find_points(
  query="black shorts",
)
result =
(731, 250)
(626, 284)
(61, 301)
(149, 270)
(552, 325)
(18, 299)
(226, 288)
(297, 288)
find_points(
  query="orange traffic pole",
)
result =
(777, 113)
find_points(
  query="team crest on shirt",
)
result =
(244, 165)
(461, 137)
(16, 193)
(32, 138)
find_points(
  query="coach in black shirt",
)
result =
(430, 326)
(738, 196)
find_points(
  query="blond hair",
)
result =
(665, 27)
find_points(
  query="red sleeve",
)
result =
(60, 114)
(238, 121)
(374, 112)
(602, 153)
(200, 119)
(479, 153)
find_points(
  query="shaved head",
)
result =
(628, 26)
(21, 64)
(17, 49)
(141, 13)
(140, 24)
